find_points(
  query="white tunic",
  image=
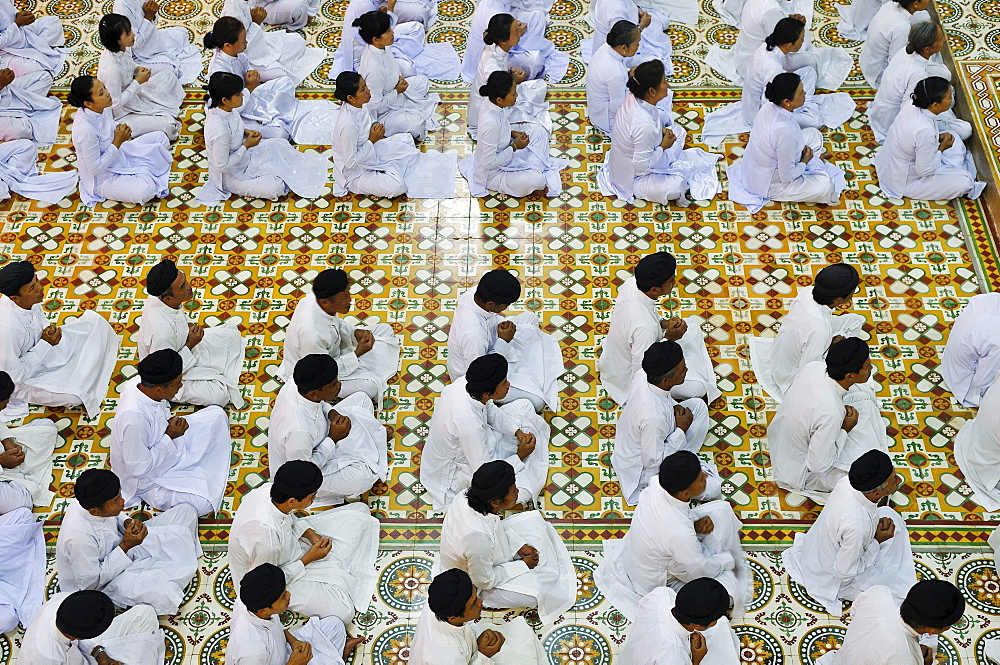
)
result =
(299, 430)
(654, 43)
(856, 17)
(271, 51)
(533, 50)
(30, 48)
(977, 450)
(465, 434)
(757, 21)
(19, 174)
(436, 642)
(971, 358)
(530, 106)
(75, 371)
(161, 48)
(152, 106)
(887, 36)
(211, 368)
(606, 89)
(28, 483)
(411, 111)
(256, 641)
(22, 578)
(292, 14)
(164, 472)
(27, 111)
(838, 557)
(363, 167)
(877, 634)
(155, 572)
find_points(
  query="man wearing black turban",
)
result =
(134, 562)
(828, 419)
(327, 577)
(347, 442)
(637, 323)
(72, 626)
(168, 461)
(367, 356)
(882, 632)
(808, 329)
(479, 328)
(468, 428)
(25, 458)
(857, 541)
(212, 357)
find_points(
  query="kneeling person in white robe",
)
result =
(977, 451)
(212, 356)
(22, 580)
(652, 424)
(517, 561)
(684, 627)
(134, 562)
(51, 365)
(81, 627)
(970, 362)
(857, 541)
(366, 357)
(447, 633)
(478, 328)
(469, 429)
(671, 544)
(636, 325)
(258, 638)
(168, 461)
(327, 575)
(347, 442)
(26, 460)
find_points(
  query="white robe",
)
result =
(464, 434)
(909, 163)
(311, 330)
(486, 546)
(19, 174)
(27, 111)
(757, 19)
(75, 371)
(654, 43)
(810, 452)
(30, 48)
(292, 14)
(805, 334)
(534, 359)
(137, 172)
(534, 53)
(838, 557)
(436, 642)
(299, 430)
(530, 107)
(22, 578)
(28, 483)
(156, 572)
(661, 548)
(256, 641)
(887, 36)
(412, 111)
(211, 368)
(165, 472)
(134, 637)
(637, 167)
(977, 451)
(161, 49)
(657, 638)
(336, 585)
(971, 357)
(274, 51)
(147, 107)
(877, 634)
(856, 17)
(606, 89)
(634, 327)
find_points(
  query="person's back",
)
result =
(875, 622)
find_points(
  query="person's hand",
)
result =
(317, 551)
(195, 335)
(103, 658)
(927, 653)
(252, 79)
(24, 18)
(401, 85)
(518, 75)
(135, 533)
(885, 530)
(6, 77)
(850, 418)
(340, 426)
(945, 140)
(673, 329)
(699, 648)
(506, 330)
(525, 444)
(52, 334)
(644, 19)
(529, 555)
(376, 133)
(520, 140)
(12, 456)
(704, 526)
(122, 133)
(366, 340)
(149, 9)
(683, 417)
(301, 654)
(176, 426)
(668, 138)
(807, 155)
(141, 75)
(253, 139)
(258, 14)
(489, 643)
(800, 17)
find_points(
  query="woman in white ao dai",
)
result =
(607, 73)
(887, 36)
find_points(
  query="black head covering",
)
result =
(701, 602)
(315, 371)
(160, 367)
(836, 281)
(846, 356)
(84, 615)
(262, 587)
(298, 478)
(660, 358)
(95, 487)
(485, 373)
(870, 470)
(492, 480)
(160, 277)
(330, 283)
(934, 603)
(679, 471)
(6, 386)
(448, 593)
(654, 269)
(15, 275)
(499, 286)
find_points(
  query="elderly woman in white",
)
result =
(654, 43)
(274, 53)
(160, 48)
(607, 73)
(887, 35)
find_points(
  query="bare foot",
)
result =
(352, 644)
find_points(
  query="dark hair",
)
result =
(910, 616)
(786, 31)
(922, 35)
(81, 90)
(483, 504)
(225, 31)
(372, 24)
(647, 76)
(498, 29)
(782, 87)
(279, 496)
(347, 85)
(657, 379)
(111, 29)
(622, 33)
(222, 85)
(906, 4)
(497, 85)
(930, 91)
